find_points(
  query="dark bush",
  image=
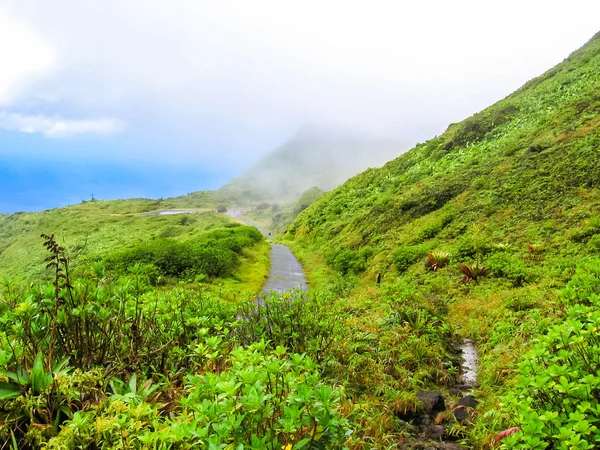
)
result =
(215, 254)
(350, 261)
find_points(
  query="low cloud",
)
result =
(55, 127)
(216, 80)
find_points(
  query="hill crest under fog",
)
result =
(315, 156)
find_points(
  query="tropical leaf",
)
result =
(39, 379)
(9, 391)
(436, 260)
(472, 272)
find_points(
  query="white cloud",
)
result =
(54, 127)
(25, 55)
(222, 77)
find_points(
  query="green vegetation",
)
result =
(213, 253)
(96, 362)
(556, 400)
(132, 334)
(95, 231)
(489, 219)
(307, 198)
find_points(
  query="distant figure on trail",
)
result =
(378, 279)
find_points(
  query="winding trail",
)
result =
(286, 273)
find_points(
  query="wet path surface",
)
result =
(470, 362)
(286, 272)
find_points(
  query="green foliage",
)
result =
(300, 322)
(436, 260)
(505, 265)
(475, 245)
(478, 127)
(472, 272)
(519, 181)
(527, 160)
(348, 261)
(266, 400)
(406, 256)
(215, 253)
(435, 228)
(89, 232)
(307, 198)
(557, 399)
(145, 368)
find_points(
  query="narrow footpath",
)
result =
(286, 272)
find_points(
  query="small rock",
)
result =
(431, 401)
(469, 401)
(461, 413)
(434, 432)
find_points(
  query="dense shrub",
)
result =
(300, 322)
(215, 254)
(473, 245)
(505, 265)
(435, 228)
(71, 353)
(348, 261)
(406, 256)
(557, 399)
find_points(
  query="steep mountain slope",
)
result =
(314, 157)
(527, 168)
(515, 189)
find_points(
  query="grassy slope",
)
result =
(516, 186)
(91, 230)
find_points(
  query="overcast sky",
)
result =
(207, 81)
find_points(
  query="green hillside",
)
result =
(516, 189)
(122, 330)
(107, 230)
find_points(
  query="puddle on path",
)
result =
(470, 362)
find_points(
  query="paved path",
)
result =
(236, 215)
(168, 212)
(286, 272)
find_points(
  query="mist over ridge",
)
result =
(316, 156)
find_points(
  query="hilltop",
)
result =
(316, 156)
(524, 171)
